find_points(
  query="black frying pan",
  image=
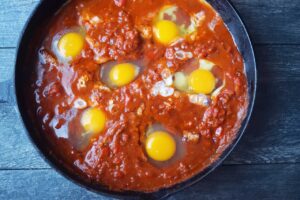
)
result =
(24, 68)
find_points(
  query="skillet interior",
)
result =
(32, 36)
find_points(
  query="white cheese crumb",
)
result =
(157, 87)
(80, 103)
(206, 64)
(218, 132)
(190, 137)
(182, 55)
(169, 81)
(95, 20)
(167, 77)
(104, 88)
(198, 18)
(213, 23)
(82, 81)
(160, 88)
(199, 99)
(110, 105)
(140, 110)
(166, 91)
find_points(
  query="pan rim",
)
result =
(165, 192)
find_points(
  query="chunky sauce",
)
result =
(202, 125)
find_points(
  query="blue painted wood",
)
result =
(251, 182)
(13, 15)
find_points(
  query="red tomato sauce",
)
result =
(121, 31)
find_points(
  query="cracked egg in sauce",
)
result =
(140, 95)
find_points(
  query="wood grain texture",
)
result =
(227, 182)
(16, 150)
(7, 58)
(276, 22)
(13, 15)
(266, 162)
(278, 62)
(247, 182)
(271, 22)
(273, 132)
(40, 184)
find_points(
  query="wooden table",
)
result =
(265, 164)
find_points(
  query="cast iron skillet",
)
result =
(24, 68)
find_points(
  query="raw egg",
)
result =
(197, 77)
(172, 23)
(165, 31)
(70, 44)
(84, 126)
(122, 74)
(160, 146)
(163, 145)
(218, 74)
(201, 81)
(119, 74)
(93, 120)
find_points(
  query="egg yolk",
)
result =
(165, 31)
(160, 146)
(93, 120)
(202, 81)
(122, 74)
(70, 44)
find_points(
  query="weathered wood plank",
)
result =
(13, 15)
(272, 137)
(16, 149)
(227, 182)
(6, 91)
(276, 21)
(40, 185)
(7, 58)
(268, 22)
(273, 132)
(278, 62)
(263, 182)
